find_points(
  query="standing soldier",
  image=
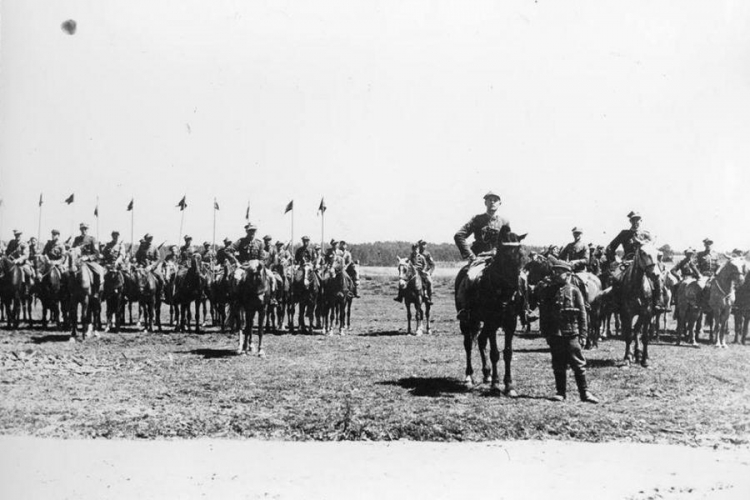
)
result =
(563, 321)
(706, 259)
(429, 267)
(487, 229)
(90, 253)
(249, 247)
(304, 254)
(576, 252)
(186, 250)
(54, 249)
(112, 254)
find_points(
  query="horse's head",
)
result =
(646, 258)
(733, 271)
(304, 274)
(510, 258)
(539, 267)
(406, 271)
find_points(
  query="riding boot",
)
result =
(583, 390)
(561, 383)
(400, 296)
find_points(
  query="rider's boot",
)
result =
(400, 296)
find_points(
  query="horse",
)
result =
(219, 294)
(283, 273)
(490, 303)
(414, 294)
(723, 288)
(633, 297)
(149, 289)
(742, 310)
(14, 290)
(254, 296)
(305, 290)
(687, 307)
(114, 297)
(540, 267)
(50, 290)
(81, 291)
(189, 286)
(337, 289)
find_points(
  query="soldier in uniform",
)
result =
(304, 254)
(186, 250)
(90, 253)
(17, 252)
(282, 254)
(207, 253)
(270, 251)
(576, 252)
(428, 269)
(707, 260)
(562, 322)
(147, 254)
(54, 249)
(487, 228)
(628, 238)
(226, 254)
(33, 249)
(248, 247)
(419, 263)
(112, 253)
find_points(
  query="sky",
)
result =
(402, 115)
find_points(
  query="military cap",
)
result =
(206, 244)
(689, 250)
(148, 237)
(173, 247)
(333, 242)
(708, 241)
(116, 232)
(250, 226)
(421, 242)
(279, 243)
(561, 264)
(737, 253)
(305, 238)
(634, 215)
(414, 246)
(267, 237)
(227, 240)
(491, 194)
(577, 230)
(83, 225)
(188, 237)
(342, 242)
(55, 231)
(16, 232)
(316, 245)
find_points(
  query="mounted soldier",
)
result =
(54, 250)
(248, 247)
(428, 269)
(487, 229)
(207, 253)
(270, 251)
(350, 265)
(226, 254)
(576, 252)
(90, 254)
(281, 254)
(112, 253)
(147, 254)
(707, 260)
(17, 252)
(419, 263)
(305, 253)
(687, 267)
(186, 250)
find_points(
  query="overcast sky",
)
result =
(401, 114)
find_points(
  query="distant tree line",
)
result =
(384, 253)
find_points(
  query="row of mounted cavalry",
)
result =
(239, 296)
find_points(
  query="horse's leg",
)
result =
(469, 334)
(242, 341)
(645, 339)
(490, 330)
(261, 327)
(342, 315)
(427, 317)
(482, 348)
(626, 321)
(408, 316)
(420, 316)
(510, 388)
(197, 316)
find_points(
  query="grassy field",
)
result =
(376, 383)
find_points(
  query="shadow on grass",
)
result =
(385, 333)
(601, 363)
(61, 337)
(214, 353)
(537, 349)
(428, 386)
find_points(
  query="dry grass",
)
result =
(374, 384)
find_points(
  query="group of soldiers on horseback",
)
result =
(179, 276)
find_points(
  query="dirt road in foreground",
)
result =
(98, 469)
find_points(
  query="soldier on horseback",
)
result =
(269, 250)
(707, 260)
(486, 229)
(17, 252)
(305, 253)
(687, 267)
(112, 253)
(186, 250)
(90, 254)
(420, 264)
(428, 269)
(248, 247)
(207, 253)
(576, 252)
(281, 253)
(350, 266)
(147, 254)
(225, 254)
(54, 250)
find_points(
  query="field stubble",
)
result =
(376, 383)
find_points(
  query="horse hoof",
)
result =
(72, 339)
(495, 388)
(262, 354)
(644, 364)
(418, 334)
(511, 393)
(486, 379)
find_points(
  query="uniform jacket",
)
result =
(53, 250)
(686, 267)
(707, 262)
(207, 255)
(429, 263)
(564, 310)
(626, 238)
(248, 249)
(486, 230)
(17, 249)
(577, 252)
(304, 254)
(111, 252)
(223, 254)
(87, 243)
(146, 254)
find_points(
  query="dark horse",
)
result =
(189, 287)
(50, 290)
(14, 291)
(305, 289)
(254, 297)
(491, 302)
(633, 296)
(114, 297)
(81, 291)
(723, 287)
(414, 294)
(741, 310)
(149, 288)
(337, 290)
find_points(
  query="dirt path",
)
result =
(77, 469)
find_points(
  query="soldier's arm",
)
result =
(612, 247)
(430, 263)
(582, 323)
(460, 238)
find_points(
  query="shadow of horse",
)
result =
(208, 353)
(428, 386)
(601, 363)
(384, 333)
(43, 339)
